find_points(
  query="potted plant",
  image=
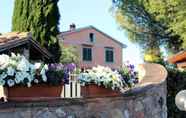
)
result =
(25, 81)
(129, 75)
(100, 82)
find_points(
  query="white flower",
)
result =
(29, 84)
(3, 75)
(102, 75)
(17, 80)
(36, 81)
(4, 59)
(37, 65)
(13, 62)
(44, 78)
(32, 69)
(10, 82)
(45, 67)
(19, 77)
(43, 73)
(10, 71)
(2, 82)
(23, 65)
(13, 55)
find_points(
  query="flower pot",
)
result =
(34, 93)
(93, 90)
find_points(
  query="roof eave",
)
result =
(90, 26)
(177, 57)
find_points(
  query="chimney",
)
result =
(72, 27)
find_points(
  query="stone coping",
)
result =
(154, 75)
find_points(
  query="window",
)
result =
(87, 54)
(92, 37)
(109, 55)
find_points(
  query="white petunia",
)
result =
(13, 63)
(10, 82)
(17, 80)
(13, 55)
(45, 67)
(44, 78)
(37, 65)
(36, 81)
(19, 77)
(102, 76)
(23, 64)
(2, 82)
(4, 59)
(10, 71)
(3, 75)
(29, 84)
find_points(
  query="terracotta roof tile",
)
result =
(13, 36)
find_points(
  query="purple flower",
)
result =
(131, 66)
(51, 66)
(59, 66)
(70, 67)
(56, 66)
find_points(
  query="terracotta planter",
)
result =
(35, 92)
(93, 90)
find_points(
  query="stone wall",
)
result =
(146, 100)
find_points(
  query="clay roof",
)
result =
(12, 36)
(15, 39)
(179, 57)
(92, 27)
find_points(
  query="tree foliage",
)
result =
(69, 55)
(41, 17)
(147, 24)
(171, 13)
(140, 26)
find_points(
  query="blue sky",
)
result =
(82, 13)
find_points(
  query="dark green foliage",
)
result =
(55, 77)
(176, 82)
(42, 19)
(148, 25)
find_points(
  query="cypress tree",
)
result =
(41, 17)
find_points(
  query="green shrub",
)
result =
(176, 81)
(69, 55)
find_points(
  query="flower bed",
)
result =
(102, 81)
(129, 75)
(27, 81)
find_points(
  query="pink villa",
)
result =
(94, 47)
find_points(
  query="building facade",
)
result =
(94, 47)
